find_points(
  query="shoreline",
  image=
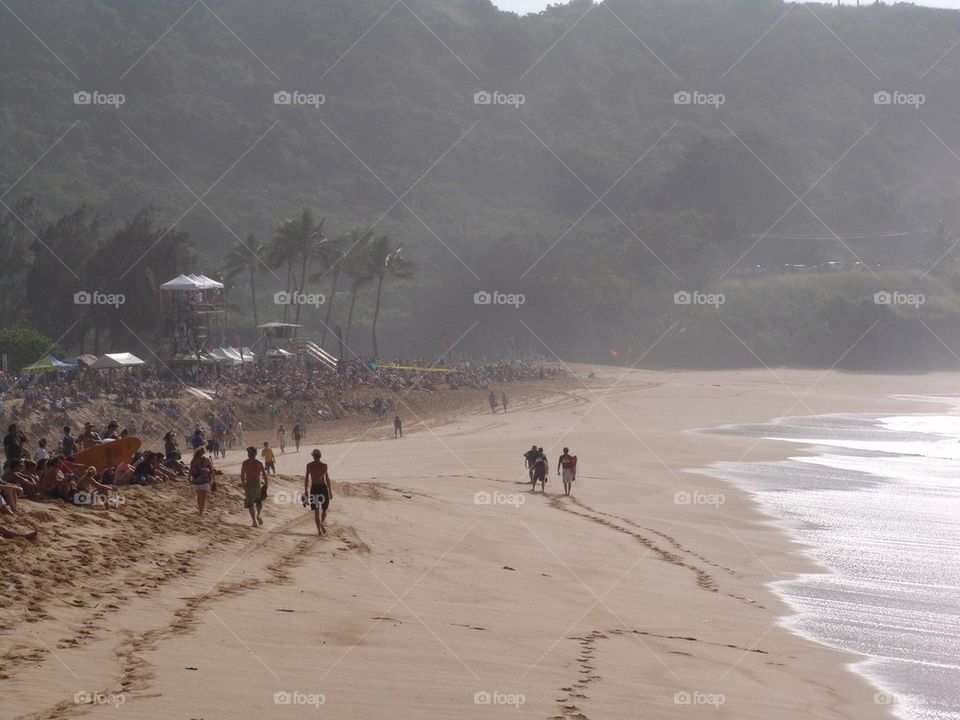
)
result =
(378, 528)
(860, 663)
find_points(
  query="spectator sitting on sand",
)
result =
(8, 497)
(124, 472)
(16, 474)
(54, 482)
(90, 491)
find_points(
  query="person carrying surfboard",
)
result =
(540, 468)
(567, 469)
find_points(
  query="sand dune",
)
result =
(445, 589)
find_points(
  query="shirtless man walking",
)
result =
(253, 490)
(316, 484)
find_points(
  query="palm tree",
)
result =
(297, 241)
(356, 266)
(386, 261)
(246, 257)
(332, 253)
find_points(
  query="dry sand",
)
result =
(605, 605)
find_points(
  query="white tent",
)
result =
(116, 360)
(180, 282)
(210, 283)
(202, 282)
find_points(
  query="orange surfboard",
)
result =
(109, 454)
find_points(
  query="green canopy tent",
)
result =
(43, 365)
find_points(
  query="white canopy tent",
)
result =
(180, 282)
(117, 360)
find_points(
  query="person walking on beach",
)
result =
(567, 469)
(503, 401)
(540, 466)
(297, 435)
(269, 460)
(282, 438)
(528, 460)
(397, 427)
(492, 399)
(316, 483)
(201, 477)
(254, 492)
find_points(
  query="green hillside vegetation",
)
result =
(598, 198)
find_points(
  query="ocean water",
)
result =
(878, 503)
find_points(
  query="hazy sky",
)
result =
(526, 6)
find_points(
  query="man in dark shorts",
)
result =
(254, 491)
(316, 483)
(528, 458)
(297, 435)
(540, 470)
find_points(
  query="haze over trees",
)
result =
(620, 180)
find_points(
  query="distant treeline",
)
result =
(594, 159)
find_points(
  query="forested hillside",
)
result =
(588, 183)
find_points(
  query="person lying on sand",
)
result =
(316, 483)
(254, 491)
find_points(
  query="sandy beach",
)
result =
(445, 588)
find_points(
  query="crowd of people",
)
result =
(51, 468)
